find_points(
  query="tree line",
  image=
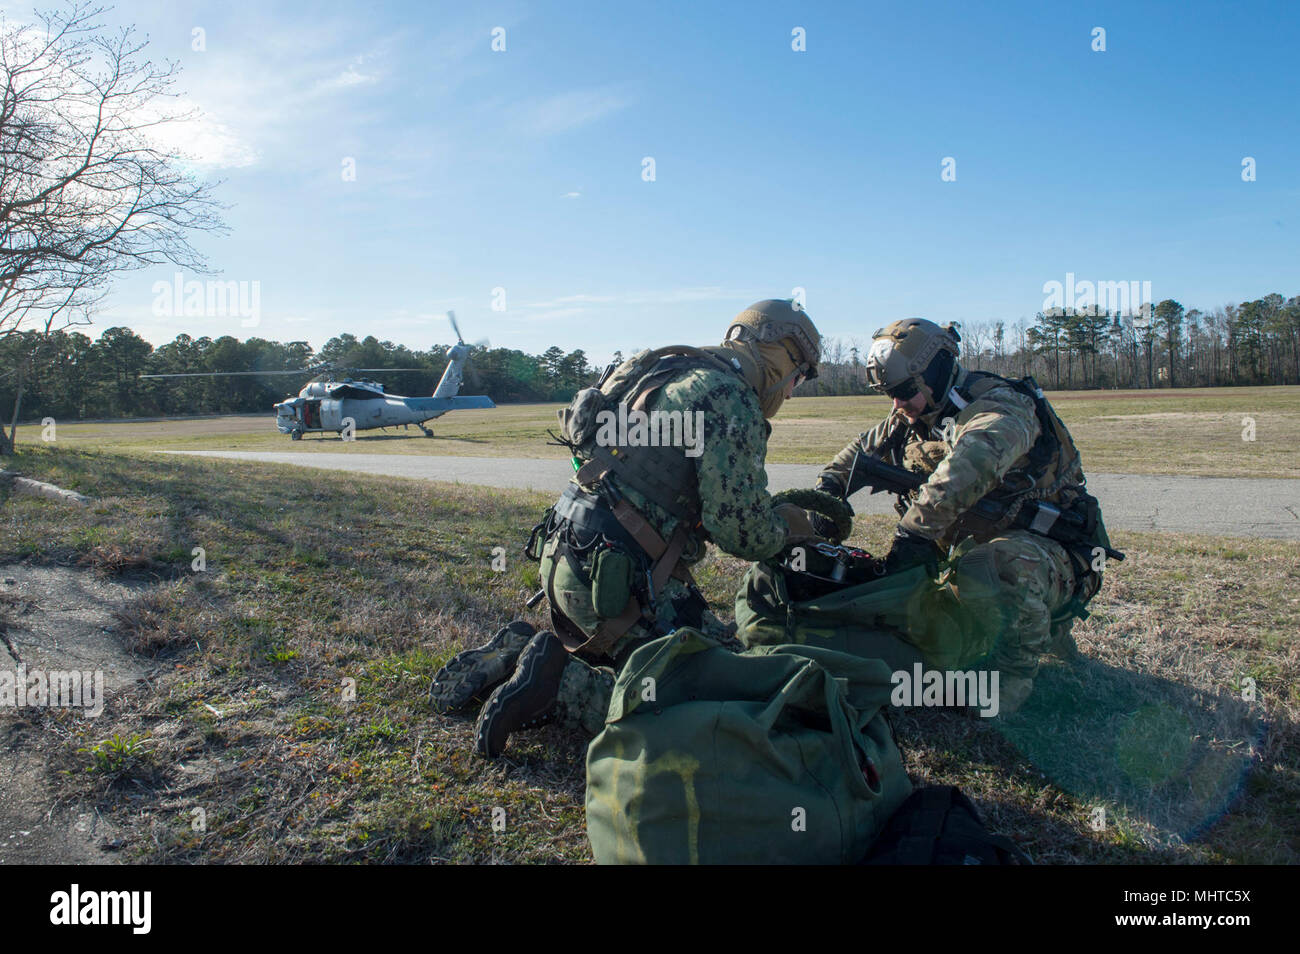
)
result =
(67, 375)
(1162, 346)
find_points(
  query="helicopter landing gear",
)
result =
(427, 432)
(295, 435)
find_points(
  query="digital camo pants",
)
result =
(587, 685)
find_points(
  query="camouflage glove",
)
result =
(824, 526)
(831, 517)
(909, 550)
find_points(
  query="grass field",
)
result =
(1190, 432)
(380, 581)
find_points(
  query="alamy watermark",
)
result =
(128, 908)
(635, 428)
(55, 689)
(936, 688)
(209, 299)
(1115, 298)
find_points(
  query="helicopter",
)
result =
(347, 406)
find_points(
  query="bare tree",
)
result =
(86, 190)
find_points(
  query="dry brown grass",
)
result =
(380, 581)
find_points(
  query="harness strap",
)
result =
(667, 562)
(667, 556)
(607, 633)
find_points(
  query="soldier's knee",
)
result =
(1020, 561)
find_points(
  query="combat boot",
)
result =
(1063, 645)
(1012, 693)
(476, 672)
(525, 700)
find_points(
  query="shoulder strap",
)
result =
(976, 385)
(1040, 454)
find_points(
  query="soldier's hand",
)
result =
(796, 519)
(909, 550)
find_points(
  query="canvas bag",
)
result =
(778, 755)
(901, 618)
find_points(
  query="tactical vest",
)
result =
(662, 474)
(1052, 471)
(605, 517)
(1052, 474)
(1053, 462)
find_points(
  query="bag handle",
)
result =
(843, 718)
(675, 644)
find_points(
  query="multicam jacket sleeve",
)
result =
(841, 478)
(990, 435)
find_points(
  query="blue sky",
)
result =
(774, 169)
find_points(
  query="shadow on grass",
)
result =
(1172, 758)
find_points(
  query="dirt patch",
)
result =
(55, 620)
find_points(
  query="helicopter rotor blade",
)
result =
(451, 316)
(220, 374)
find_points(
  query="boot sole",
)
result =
(454, 689)
(451, 693)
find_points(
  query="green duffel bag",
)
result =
(902, 619)
(777, 755)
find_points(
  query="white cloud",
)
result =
(566, 111)
(349, 77)
(676, 296)
(203, 139)
(572, 300)
(571, 195)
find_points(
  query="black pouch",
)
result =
(537, 536)
(611, 582)
(939, 825)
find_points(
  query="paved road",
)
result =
(1229, 506)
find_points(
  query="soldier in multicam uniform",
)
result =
(616, 550)
(994, 453)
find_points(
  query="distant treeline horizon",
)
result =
(67, 375)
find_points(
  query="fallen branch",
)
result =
(39, 488)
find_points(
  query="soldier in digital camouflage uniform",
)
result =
(718, 496)
(977, 437)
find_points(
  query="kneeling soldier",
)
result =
(616, 550)
(999, 479)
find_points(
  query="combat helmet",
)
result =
(911, 353)
(781, 344)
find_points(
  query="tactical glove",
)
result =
(909, 550)
(829, 485)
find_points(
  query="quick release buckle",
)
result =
(1045, 518)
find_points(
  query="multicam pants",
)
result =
(1024, 580)
(586, 685)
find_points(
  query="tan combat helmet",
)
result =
(910, 353)
(782, 342)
